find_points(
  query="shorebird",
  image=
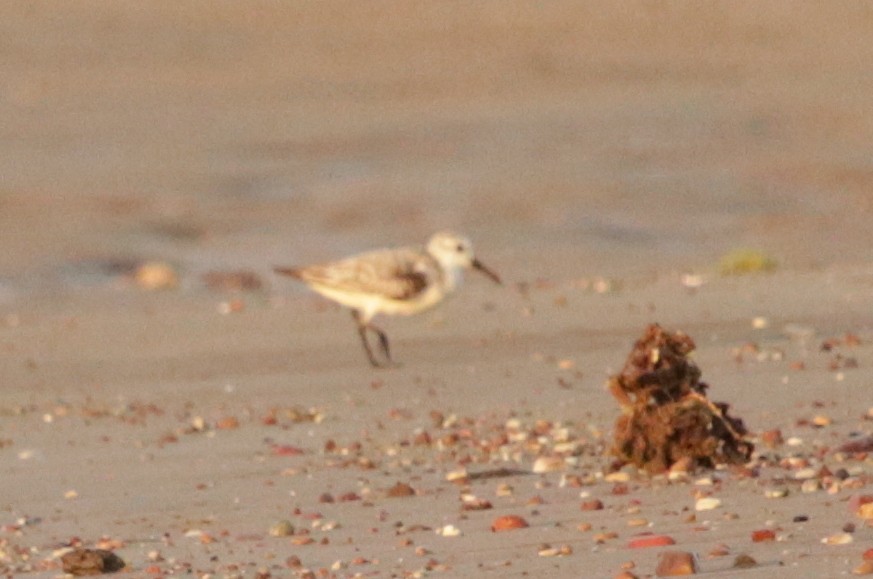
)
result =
(401, 281)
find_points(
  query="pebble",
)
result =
(457, 475)
(592, 505)
(772, 438)
(763, 536)
(778, 493)
(806, 473)
(549, 551)
(400, 489)
(508, 523)
(548, 464)
(619, 476)
(707, 504)
(676, 563)
(743, 561)
(156, 275)
(810, 486)
(504, 490)
(865, 568)
(448, 531)
(647, 541)
(283, 528)
(838, 539)
(601, 538)
(821, 421)
(473, 503)
(857, 502)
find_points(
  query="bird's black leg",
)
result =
(362, 331)
(383, 342)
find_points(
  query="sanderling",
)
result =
(401, 281)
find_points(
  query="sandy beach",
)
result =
(603, 160)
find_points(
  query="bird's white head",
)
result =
(455, 252)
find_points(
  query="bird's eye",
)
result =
(460, 248)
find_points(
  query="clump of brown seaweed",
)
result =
(666, 416)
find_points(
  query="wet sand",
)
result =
(594, 155)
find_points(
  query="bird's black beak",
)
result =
(481, 267)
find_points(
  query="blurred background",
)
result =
(566, 139)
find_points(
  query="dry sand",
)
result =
(594, 154)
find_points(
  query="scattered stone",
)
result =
(508, 523)
(760, 323)
(861, 506)
(805, 473)
(459, 477)
(763, 536)
(601, 538)
(707, 504)
(647, 541)
(448, 531)
(743, 561)
(838, 539)
(549, 551)
(282, 528)
(473, 503)
(548, 464)
(810, 486)
(676, 563)
(227, 423)
(821, 421)
(858, 445)
(779, 493)
(156, 275)
(772, 438)
(865, 568)
(592, 505)
(91, 562)
(401, 490)
(504, 490)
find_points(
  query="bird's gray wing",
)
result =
(398, 274)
